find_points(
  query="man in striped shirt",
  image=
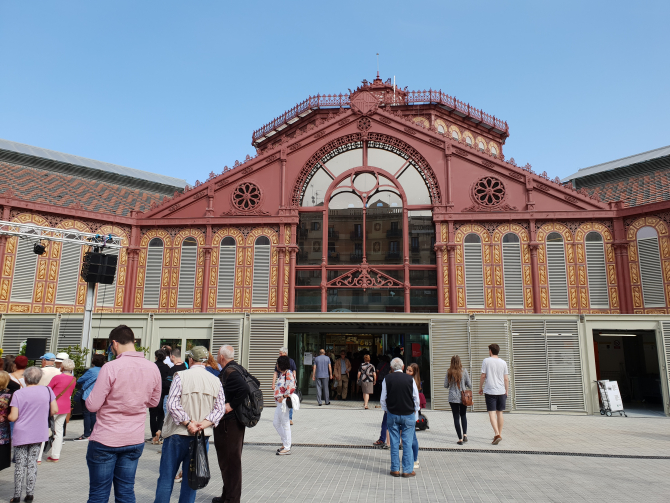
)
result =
(196, 403)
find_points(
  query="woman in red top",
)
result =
(63, 386)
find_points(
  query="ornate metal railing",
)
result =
(411, 98)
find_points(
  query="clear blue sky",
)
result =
(178, 87)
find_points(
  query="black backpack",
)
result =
(249, 411)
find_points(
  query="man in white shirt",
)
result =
(48, 368)
(496, 376)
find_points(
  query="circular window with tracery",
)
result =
(488, 191)
(247, 196)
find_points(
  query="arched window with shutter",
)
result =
(107, 293)
(23, 282)
(187, 266)
(154, 273)
(558, 281)
(261, 283)
(474, 271)
(68, 272)
(596, 270)
(226, 287)
(651, 273)
(512, 274)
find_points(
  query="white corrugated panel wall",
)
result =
(261, 283)
(558, 281)
(482, 334)
(18, 330)
(68, 274)
(512, 275)
(228, 332)
(566, 386)
(226, 286)
(651, 273)
(666, 355)
(70, 331)
(187, 266)
(529, 365)
(23, 282)
(447, 338)
(266, 336)
(596, 271)
(152, 278)
(474, 275)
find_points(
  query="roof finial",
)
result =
(377, 65)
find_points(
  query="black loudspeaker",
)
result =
(35, 348)
(99, 268)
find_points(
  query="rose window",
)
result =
(489, 191)
(247, 196)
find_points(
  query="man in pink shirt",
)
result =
(125, 389)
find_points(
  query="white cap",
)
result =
(62, 356)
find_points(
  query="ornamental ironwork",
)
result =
(247, 196)
(365, 277)
(488, 191)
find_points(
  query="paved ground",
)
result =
(594, 458)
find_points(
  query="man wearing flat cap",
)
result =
(49, 369)
(196, 403)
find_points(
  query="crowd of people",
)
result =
(206, 397)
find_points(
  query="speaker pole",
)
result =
(88, 318)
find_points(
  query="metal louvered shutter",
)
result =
(665, 347)
(529, 365)
(226, 287)
(23, 281)
(558, 281)
(483, 333)
(474, 275)
(152, 278)
(18, 330)
(107, 293)
(650, 272)
(70, 331)
(68, 274)
(596, 272)
(187, 265)
(266, 336)
(227, 332)
(512, 275)
(261, 286)
(566, 387)
(447, 338)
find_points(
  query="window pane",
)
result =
(372, 300)
(414, 186)
(310, 236)
(307, 300)
(346, 228)
(422, 301)
(421, 237)
(316, 189)
(423, 278)
(308, 278)
(384, 235)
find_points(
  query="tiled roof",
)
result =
(635, 190)
(620, 163)
(48, 187)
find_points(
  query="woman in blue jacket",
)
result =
(87, 382)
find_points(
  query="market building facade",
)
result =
(383, 219)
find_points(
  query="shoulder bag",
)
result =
(466, 396)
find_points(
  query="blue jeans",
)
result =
(401, 426)
(89, 419)
(415, 447)
(174, 453)
(290, 414)
(112, 464)
(382, 435)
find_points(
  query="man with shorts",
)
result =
(496, 376)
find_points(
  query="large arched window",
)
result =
(154, 273)
(596, 271)
(512, 274)
(650, 267)
(558, 281)
(474, 271)
(68, 272)
(261, 283)
(23, 282)
(187, 268)
(226, 284)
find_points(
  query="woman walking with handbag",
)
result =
(368, 378)
(284, 388)
(413, 370)
(63, 386)
(456, 380)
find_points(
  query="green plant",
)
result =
(78, 355)
(143, 349)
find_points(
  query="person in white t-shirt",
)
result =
(496, 377)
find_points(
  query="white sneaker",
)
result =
(416, 465)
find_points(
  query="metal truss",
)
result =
(38, 233)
